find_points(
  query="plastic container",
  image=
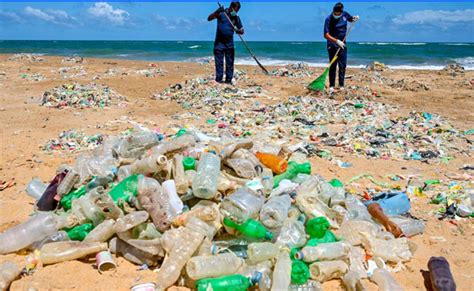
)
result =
(156, 202)
(205, 182)
(66, 185)
(377, 213)
(274, 212)
(282, 272)
(327, 251)
(327, 270)
(62, 251)
(179, 175)
(36, 188)
(242, 204)
(9, 271)
(385, 280)
(250, 228)
(410, 227)
(259, 252)
(234, 282)
(357, 210)
(440, 274)
(152, 164)
(58, 236)
(22, 235)
(201, 267)
(292, 233)
(392, 250)
(273, 162)
(394, 203)
(102, 232)
(243, 168)
(267, 180)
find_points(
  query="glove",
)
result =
(340, 43)
(355, 18)
(220, 10)
(240, 31)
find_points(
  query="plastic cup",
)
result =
(144, 287)
(105, 262)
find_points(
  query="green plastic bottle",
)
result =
(180, 132)
(328, 237)
(126, 189)
(235, 282)
(66, 200)
(336, 183)
(79, 232)
(299, 272)
(250, 228)
(291, 172)
(317, 227)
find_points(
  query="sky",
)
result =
(264, 21)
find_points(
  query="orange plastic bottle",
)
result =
(275, 163)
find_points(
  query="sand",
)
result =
(26, 126)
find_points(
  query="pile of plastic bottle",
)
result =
(214, 213)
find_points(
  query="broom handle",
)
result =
(344, 40)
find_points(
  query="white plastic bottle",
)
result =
(205, 182)
(102, 232)
(9, 271)
(275, 211)
(36, 188)
(262, 251)
(385, 280)
(213, 266)
(327, 270)
(325, 251)
(282, 272)
(242, 204)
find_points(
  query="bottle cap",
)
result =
(268, 235)
(336, 183)
(293, 253)
(256, 277)
(299, 256)
(299, 272)
(189, 163)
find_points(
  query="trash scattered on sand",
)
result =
(26, 57)
(297, 70)
(33, 77)
(72, 60)
(81, 96)
(454, 69)
(73, 141)
(71, 72)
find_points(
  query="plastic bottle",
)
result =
(66, 200)
(327, 251)
(153, 199)
(58, 236)
(357, 210)
(152, 164)
(205, 182)
(392, 250)
(102, 232)
(22, 235)
(131, 220)
(48, 200)
(357, 262)
(123, 172)
(36, 188)
(282, 272)
(291, 172)
(175, 144)
(317, 227)
(351, 231)
(126, 189)
(85, 209)
(243, 168)
(9, 271)
(262, 251)
(179, 176)
(292, 233)
(377, 213)
(299, 272)
(410, 227)
(352, 281)
(262, 270)
(385, 280)
(79, 232)
(267, 180)
(204, 213)
(72, 178)
(180, 244)
(275, 211)
(176, 205)
(275, 163)
(57, 252)
(234, 282)
(250, 228)
(238, 250)
(228, 150)
(327, 270)
(213, 266)
(440, 274)
(242, 204)
(131, 253)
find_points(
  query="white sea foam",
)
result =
(460, 44)
(392, 43)
(194, 46)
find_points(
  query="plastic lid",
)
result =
(256, 277)
(299, 272)
(268, 235)
(189, 163)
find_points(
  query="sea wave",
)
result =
(194, 46)
(392, 43)
(460, 44)
(467, 61)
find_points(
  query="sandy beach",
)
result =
(26, 127)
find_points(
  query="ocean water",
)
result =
(402, 55)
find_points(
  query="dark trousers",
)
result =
(341, 62)
(219, 55)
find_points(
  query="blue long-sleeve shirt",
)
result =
(225, 32)
(337, 28)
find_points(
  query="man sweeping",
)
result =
(335, 28)
(224, 42)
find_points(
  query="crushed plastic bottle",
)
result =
(9, 271)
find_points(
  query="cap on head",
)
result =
(235, 4)
(339, 7)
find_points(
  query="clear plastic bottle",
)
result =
(353, 282)
(72, 178)
(153, 199)
(179, 175)
(176, 205)
(262, 251)
(410, 227)
(292, 233)
(356, 262)
(102, 232)
(213, 266)
(57, 252)
(357, 210)
(228, 150)
(36, 188)
(275, 211)
(385, 280)
(264, 269)
(9, 271)
(58, 236)
(85, 209)
(175, 144)
(327, 270)
(180, 244)
(282, 272)
(325, 251)
(34, 229)
(204, 213)
(392, 250)
(242, 167)
(124, 172)
(351, 231)
(205, 182)
(131, 220)
(242, 204)
(151, 164)
(266, 176)
(131, 253)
